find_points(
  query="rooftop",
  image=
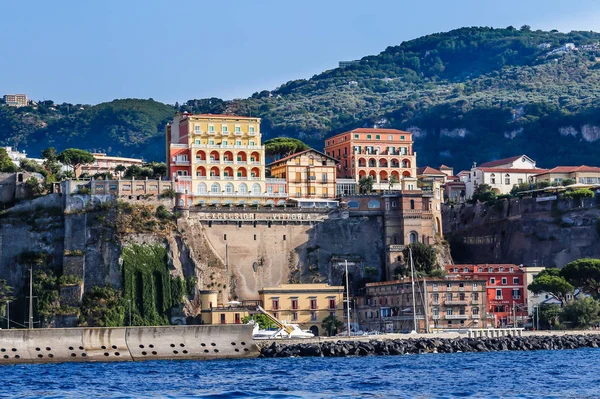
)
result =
(297, 154)
(428, 170)
(571, 169)
(511, 170)
(500, 162)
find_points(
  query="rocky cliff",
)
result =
(524, 231)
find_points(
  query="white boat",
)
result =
(288, 331)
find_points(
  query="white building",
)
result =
(502, 175)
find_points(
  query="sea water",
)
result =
(532, 374)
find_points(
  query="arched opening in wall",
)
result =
(497, 191)
(228, 173)
(315, 330)
(228, 157)
(373, 174)
(241, 157)
(412, 204)
(215, 188)
(201, 188)
(414, 237)
(405, 163)
(362, 173)
(200, 171)
(229, 190)
(383, 176)
(372, 163)
(243, 188)
(395, 163)
(353, 204)
(214, 156)
(383, 163)
(200, 156)
(374, 204)
(158, 286)
(396, 176)
(281, 203)
(362, 162)
(405, 174)
(255, 173)
(139, 292)
(256, 189)
(215, 172)
(255, 158)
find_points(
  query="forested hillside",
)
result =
(469, 95)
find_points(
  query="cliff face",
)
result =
(523, 231)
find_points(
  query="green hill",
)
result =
(471, 94)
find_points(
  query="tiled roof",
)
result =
(300, 153)
(445, 167)
(500, 161)
(429, 171)
(219, 116)
(571, 169)
(509, 170)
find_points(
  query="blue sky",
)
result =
(93, 51)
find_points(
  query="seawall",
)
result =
(406, 346)
(126, 344)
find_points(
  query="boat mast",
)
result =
(414, 298)
(347, 297)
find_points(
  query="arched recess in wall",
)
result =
(374, 204)
(353, 204)
(414, 237)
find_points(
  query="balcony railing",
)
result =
(229, 147)
(456, 317)
(182, 163)
(455, 302)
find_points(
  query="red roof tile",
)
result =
(509, 170)
(500, 161)
(300, 153)
(429, 170)
(571, 169)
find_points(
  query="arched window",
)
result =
(229, 188)
(201, 188)
(412, 204)
(374, 204)
(414, 237)
(243, 188)
(256, 188)
(353, 204)
(215, 188)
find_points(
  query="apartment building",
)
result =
(506, 284)
(581, 174)
(16, 100)
(304, 304)
(308, 174)
(385, 154)
(218, 159)
(106, 164)
(439, 304)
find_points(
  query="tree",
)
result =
(525, 28)
(6, 164)
(549, 315)
(484, 193)
(584, 274)
(119, 169)
(393, 180)
(281, 147)
(567, 182)
(424, 258)
(102, 307)
(582, 313)
(264, 323)
(550, 281)
(75, 157)
(6, 293)
(36, 188)
(365, 184)
(51, 163)
(331, 324)
(29, 165)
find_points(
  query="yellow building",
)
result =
(308, 174)
(218, 159)
(581, 174)
(106, 164)
(215, 313)
(304, 304)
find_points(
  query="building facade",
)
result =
(304, 304)
(308, 174)
(440, 304)
(218, 159)
(581, 174)
(506, 285)
(106, 164)
(502, 175)
(385, 154)
(16, 100)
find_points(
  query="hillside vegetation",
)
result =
(469, 95)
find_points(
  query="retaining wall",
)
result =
(126, 344)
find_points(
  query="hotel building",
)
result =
(308, 174)
(219, 159)
(440, 304)
(385, 154)
(106, 164)
(16, 100)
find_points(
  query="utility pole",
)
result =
(30, 296)
(414, 298)
(347, 297)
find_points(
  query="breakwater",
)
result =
(120, 344)
(382, 347)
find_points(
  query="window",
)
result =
(475, 286)
(401, 137)
(449, 296)
(492, 280)
(356, 136)
(377, 137)
(507, 179)
(436, 297)
(461, 296)
(237, 318)
(237, 129)
(298, 161)
(436, 312)
(324, 177)
(390, 137)
(512, 269)
(275, 304)
(412, 204)
(211, 128)
(500, 269)
(475, 296)
(197, 128)
(294, 316)
(448, 312)
(368, 137)
(504, 280)
(332, 303)
(466, 270)
(294, 304)
(515, 280)
(224, 129)
(251, 129)
(449, 286)
(498, 294)
(313, 303)
(456, 270)
(223, 321)
(480, 269)
(298, 177)
(475, 311)
(435, 286)
(332, 314)
(516, 293)
(520, 181)
(251, 144)
(313, 316)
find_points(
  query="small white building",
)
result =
(502, 175)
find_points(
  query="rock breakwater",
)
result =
(383, 347)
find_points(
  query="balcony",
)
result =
(255, 163)
(228, 162)
(227, 177)
(198, 160)
(456, 317)
(215, 161)
(182, 163)
(455, 302)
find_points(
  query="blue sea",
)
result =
(536, 374)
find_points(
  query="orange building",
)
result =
(385, 154)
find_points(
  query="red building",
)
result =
(506, 289)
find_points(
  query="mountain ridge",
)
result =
(468, 95)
